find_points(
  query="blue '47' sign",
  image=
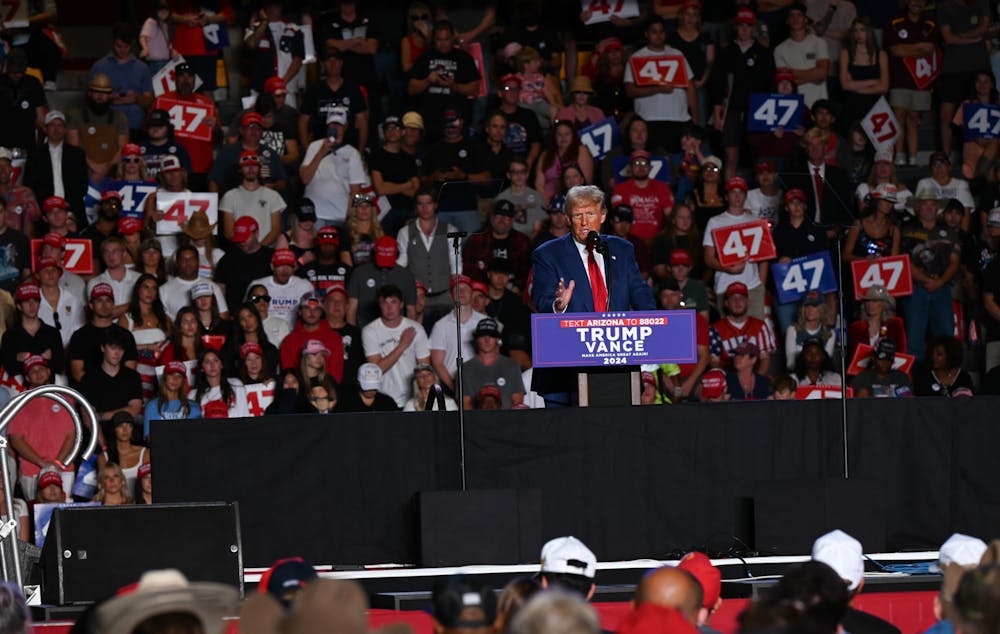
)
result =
(770, 111)
(812, 272)
(981, 121)
(600, 137)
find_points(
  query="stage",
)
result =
(632, 483)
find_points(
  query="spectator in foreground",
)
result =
(556, 612)
(460, 606)
(710, 578)
(959, 554)
(569, 565)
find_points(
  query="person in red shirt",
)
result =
(199, 35)
(200, 150)
(312, 324)
(651, 200)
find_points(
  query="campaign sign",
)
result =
(475, 50)
(659, 168)
(163, 81)
(924, 70)
(812, 272)
(892, 272)
(661, 70)
(604, 10)
(600, 137)
(880, 125)
(78, 256)
(816, 392)
(134, 194)
(747, 242)
(259, 396)
(980, 121)
(189, 118)
(607, 339)
(863, 354)
(177, 208)
(773, 111)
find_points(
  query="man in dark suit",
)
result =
(40, 176)
(572, 276)
(829, 195)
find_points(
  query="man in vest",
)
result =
(99, 130)
(424, 250)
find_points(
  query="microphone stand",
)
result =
(456, 243)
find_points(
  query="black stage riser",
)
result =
(631, 482)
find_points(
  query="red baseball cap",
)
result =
(128, 226)
(54, 240)
(710, 578)
(276, 86)
(175, 367)
(328, 235)
(745, 15)
(215, 409)
(650, 618)
(481, 287)
(111, 195)
(489, 390)
(713, 383)
(102, 290)
(692, 4)
(243, 228)
(144, 470)
(736, 182)
(737, 288)
(795, 194)
(44, 263)
(54, 202)
(460, 279)
(131, 149)
(784, 74)
(765, 165)
(28, 291)
(252, 118)
(385, 252)
(33, 360)
(283, 257)
(49, 478)
(336, 288)
(249, 157)
(680, 257)
(250, 348)
(510, 78)
(639, 154)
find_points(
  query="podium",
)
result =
(604, 349)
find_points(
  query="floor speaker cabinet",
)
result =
(91, 552)
(477, 527)
(790, 515)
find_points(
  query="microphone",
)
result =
(595, 242)
(457, 234)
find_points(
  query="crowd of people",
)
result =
(297, 258)
(814, 596)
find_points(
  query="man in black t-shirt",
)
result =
(85, 346)
(22, 103)
(395, 175)
(332, 94)
(14, 253)
(455, 159)
(326, 270)
(524, 135)
(443, 78)
(111, 386)
(356, 36)
(245, 263)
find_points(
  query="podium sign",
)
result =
(613, 339)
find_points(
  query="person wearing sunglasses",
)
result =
(275, 327)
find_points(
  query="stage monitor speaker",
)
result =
(480, 527)
(92, 551)
(790, 514)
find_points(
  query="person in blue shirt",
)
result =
(172, 403)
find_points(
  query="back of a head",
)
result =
(844, 554)
(671, 587)
(977, 601)
(556, 612)
(514, 596)
(816, 596)
(458, 604)
(568, 563)
(328, 605)
(13, 611)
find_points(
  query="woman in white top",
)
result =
(123, 448)
(148, 322)
(214, 391)
(275, 328)
(59, 308)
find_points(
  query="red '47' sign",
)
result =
(177, 208)
(816, 392)
(78, 256)
(188, 118)
(748, 242)
(664, 70)
(924, 70)
(892, 272)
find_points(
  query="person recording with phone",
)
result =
(332, 172)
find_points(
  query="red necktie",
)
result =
(818, 186)
(597, 287)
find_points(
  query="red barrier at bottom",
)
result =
(911, 612)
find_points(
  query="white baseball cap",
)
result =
(962, 550)
(370, 376)
(844, 554)
(568, 555)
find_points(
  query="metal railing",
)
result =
(62, 396)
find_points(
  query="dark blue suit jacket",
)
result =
(560, 258)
